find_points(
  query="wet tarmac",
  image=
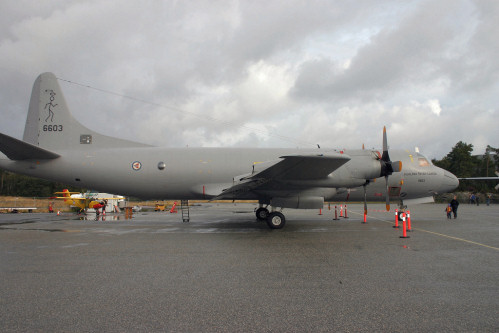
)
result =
(224, 271)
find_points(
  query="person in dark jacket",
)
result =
(454, 204)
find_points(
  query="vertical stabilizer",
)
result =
(50, 124)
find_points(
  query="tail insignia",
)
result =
(50, 105)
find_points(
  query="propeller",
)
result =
(387, 167)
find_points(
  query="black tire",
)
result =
(276, 220)
(262, 213)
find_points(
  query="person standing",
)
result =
(454, 204)
(448, 210)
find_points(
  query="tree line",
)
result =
(459, 161)
(12, 184)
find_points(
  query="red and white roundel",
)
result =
(136, 165)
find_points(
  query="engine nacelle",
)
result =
(366, 166)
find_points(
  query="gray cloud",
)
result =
(280, 73)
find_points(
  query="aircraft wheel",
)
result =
(276, 220)
(262, 213)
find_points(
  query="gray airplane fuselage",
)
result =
(202, 173)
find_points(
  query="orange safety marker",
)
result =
(174, 208)
(404, 229)
(320, 211)
(329, 206)
(336, 213)
(128, 213)
(396, 218)
(409, 220)
(346, 213)
(341, 210)
(365, 217)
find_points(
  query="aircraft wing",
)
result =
(19, 150)
(289, 168)
(303, 167)
(480, 178)
(484, 178)
(18, 208)
(90, 199)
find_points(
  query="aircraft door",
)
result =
(394, 191)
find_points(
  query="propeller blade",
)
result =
(386, 164)
(385, 157)
(387, 195)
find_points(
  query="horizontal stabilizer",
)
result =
(19, 150)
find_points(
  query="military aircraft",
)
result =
(57, 147)
(84, 201)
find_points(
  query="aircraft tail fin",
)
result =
(66, 195)
(50, 124)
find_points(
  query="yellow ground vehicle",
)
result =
(160, 207)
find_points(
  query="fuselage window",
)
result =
(423, 162)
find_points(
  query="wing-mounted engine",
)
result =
(373, 164)
(388, 167)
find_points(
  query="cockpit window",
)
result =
(423, 161)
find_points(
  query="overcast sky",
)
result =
(262, 73)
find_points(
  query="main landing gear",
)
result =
(275, 220)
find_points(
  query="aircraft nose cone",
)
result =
(449, 182)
